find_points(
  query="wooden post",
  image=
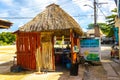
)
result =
(53, 56)
(119, 41)
(72, 44)
(17, 49)
(78, 43)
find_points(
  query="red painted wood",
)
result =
(26, 44)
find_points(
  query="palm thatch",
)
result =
(92, 32)
(4, 24)
(52, 18)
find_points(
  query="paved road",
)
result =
(111, 67)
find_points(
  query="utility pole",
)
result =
(95, 14)
(96, 27)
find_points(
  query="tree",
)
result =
(7, 38)
(107, 28)
(111, 21)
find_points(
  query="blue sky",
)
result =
(21, 11)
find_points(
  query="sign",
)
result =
(90, 48)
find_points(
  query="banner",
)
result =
(90, 48)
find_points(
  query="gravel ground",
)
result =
(94, 73)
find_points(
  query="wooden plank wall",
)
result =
(26, 44)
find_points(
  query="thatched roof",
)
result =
(92, 32)
(52, 18)
(4, 24)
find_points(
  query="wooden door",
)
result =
(47, 51)
(47, 55)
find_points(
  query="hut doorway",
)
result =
(62, 53)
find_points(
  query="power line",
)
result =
(101, 12)
(17, 17)
(33, 17)
(64, 3)
(33, 9)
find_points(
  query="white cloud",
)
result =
(81, 4)
(40, 3)
(30, 8)
(7, 2)
(101, 19)
(105, 9)
(4, 14)
(34, 7)
(26, 12)
(20, 24)
(110, 5)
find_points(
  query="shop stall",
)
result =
(47, 39)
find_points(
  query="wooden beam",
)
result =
(72, 44)
(53, 55)
(4, 27)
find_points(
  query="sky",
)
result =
(19, 12)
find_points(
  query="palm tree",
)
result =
(111, 22)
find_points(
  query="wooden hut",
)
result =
(4, 24)
(35, 40)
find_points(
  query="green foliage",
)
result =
(7, 38)
(111, 19)
(90, 26)
(111, 32)
(107, 28)
(114, 10)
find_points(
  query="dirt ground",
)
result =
(7, 53)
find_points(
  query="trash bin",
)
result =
(74, 69)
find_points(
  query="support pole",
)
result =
(96, 27)
(72, 44)
(118, 6)
(119, 41)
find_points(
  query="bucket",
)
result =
(68, 65)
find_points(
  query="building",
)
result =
(4, 24)
(36, 39)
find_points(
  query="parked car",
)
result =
(107, 40)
